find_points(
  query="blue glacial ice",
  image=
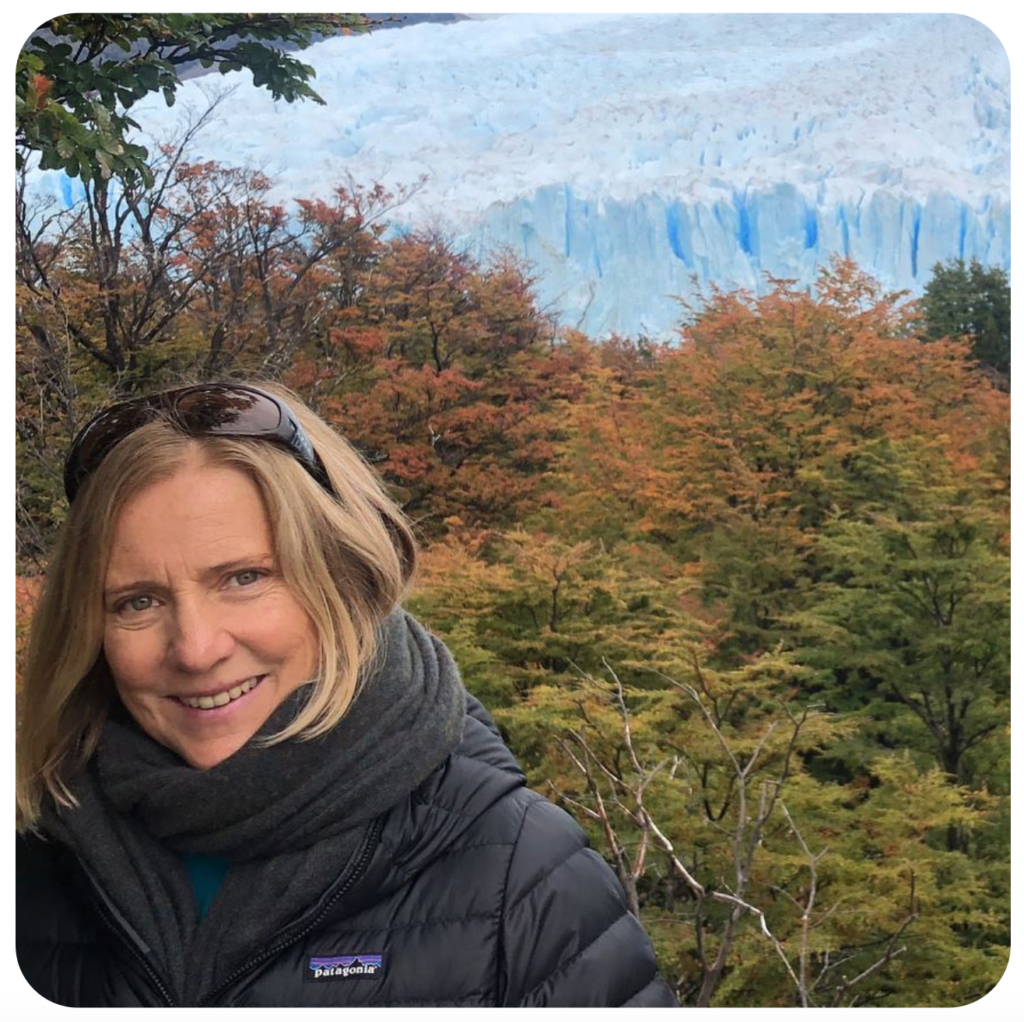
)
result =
(633, 158)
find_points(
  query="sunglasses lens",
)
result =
(227, 410)
(103, 433)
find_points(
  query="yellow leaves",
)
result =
(545, 558)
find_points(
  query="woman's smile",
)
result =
(203, 637)
(219, 699)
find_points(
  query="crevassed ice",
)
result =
(631, 158)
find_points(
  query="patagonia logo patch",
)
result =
(322, 967)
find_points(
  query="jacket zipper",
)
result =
(109, 918)
(362, 862)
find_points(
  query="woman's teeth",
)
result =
(222, 698)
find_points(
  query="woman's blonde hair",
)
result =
(350, 562)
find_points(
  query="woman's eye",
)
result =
(248, 577)
(135, 604)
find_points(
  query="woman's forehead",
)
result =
(198, 518)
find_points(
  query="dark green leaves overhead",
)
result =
(78, 75)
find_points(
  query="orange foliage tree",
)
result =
(734, 447)
(445, 375)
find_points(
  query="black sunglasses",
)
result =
(213, 409)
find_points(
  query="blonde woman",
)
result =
(247, 777)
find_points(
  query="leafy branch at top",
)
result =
(78, 75)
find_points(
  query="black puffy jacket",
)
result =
(474, 890)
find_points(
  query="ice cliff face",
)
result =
(615, 265)
(629, 156)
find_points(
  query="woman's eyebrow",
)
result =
(238, 563)
(215, 570)
(114, 591)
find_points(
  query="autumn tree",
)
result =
(596, 483)
(271, 279)
(136, 288)
(540, 607)
(761, 421)
(444, 375)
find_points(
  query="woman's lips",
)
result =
(211, 704)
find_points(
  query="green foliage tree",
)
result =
(971, 300)
(913, 619)
(760, 883)
(527, 608)
(79, 74)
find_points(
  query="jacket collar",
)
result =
(479, 773)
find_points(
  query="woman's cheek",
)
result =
(132, 656)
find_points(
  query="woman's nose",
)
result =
(201, 638)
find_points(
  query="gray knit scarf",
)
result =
(289, 817)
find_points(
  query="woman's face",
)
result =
(203, 637)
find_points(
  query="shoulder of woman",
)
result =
(569, 937)
(50, 902)
(482, 743)
(549, 841)
(37, 858)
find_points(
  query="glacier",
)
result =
(636, 159)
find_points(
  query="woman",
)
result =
(247, 777)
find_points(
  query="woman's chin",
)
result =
(208, 745)
(206, 736)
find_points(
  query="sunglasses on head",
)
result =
(214, 409)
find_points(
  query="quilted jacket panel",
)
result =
(478, 892)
